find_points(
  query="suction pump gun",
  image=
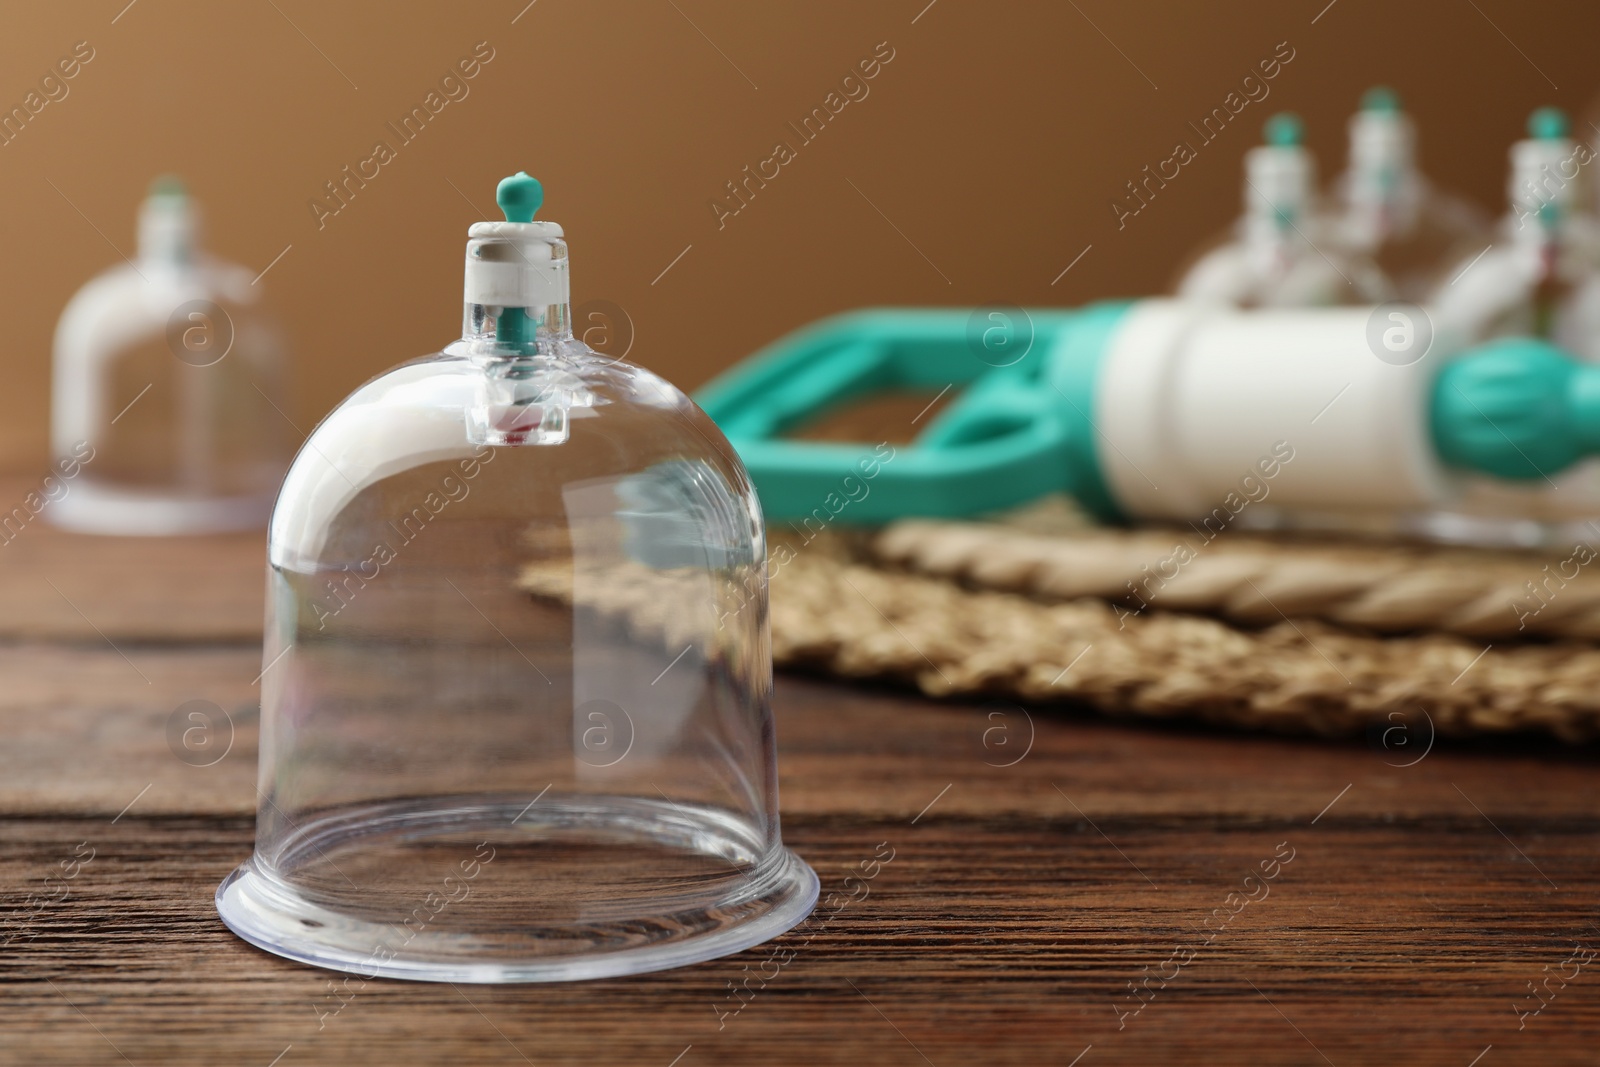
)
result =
(1161, 409)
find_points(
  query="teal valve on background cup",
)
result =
(1158, 409)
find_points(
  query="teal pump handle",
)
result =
(1016, 432)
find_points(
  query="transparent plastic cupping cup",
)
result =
(516, 719)
(169, 389)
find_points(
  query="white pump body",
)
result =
(1193, 398)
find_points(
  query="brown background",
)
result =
(994, 141)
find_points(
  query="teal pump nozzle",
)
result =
(1518, 408)
(519, 197)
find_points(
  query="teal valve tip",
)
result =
(1548, 124)
(168, 185)
(519, 196)
(1380, 98)
(1284, 130)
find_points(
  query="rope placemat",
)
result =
(1256, 578)
(975, 610)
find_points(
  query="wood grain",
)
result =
(1021, 902)
(66, 586)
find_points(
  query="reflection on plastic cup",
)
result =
(199, 333)
(1400, 334)
(605, 733)
(605, 327)
(1402, 738)
(1007, 735)
(999, 334)
(199, 733)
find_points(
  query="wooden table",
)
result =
(1062, 902)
